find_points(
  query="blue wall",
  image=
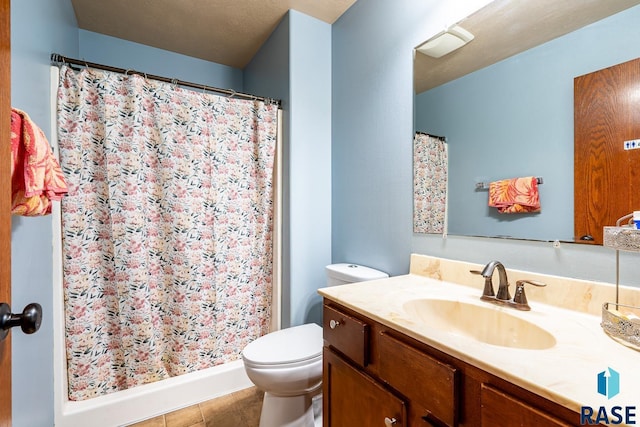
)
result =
(505, 121)
(295, 65)
(120, 53)
(38, 27)
(372, 125)
(309, 164)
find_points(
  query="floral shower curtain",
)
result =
(430, 174)
(167, 228)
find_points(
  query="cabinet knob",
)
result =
(334, 324)
(388, 422)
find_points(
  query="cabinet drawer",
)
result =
(499, 409)
(430, 385)
(348, 335)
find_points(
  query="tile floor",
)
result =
(241, 408)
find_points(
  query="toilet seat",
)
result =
(298, 345)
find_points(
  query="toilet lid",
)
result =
(286, 345)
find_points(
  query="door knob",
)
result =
(29, 320)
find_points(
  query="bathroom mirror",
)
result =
(505, 104)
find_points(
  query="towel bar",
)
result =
(485, 185)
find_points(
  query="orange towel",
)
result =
(515, 195)
(36, 177)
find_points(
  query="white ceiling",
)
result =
(227, 32)
(230, 32)
(506, 27)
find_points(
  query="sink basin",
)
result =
(489, 324)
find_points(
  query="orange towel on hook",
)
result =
(515, 195)
(36, 176)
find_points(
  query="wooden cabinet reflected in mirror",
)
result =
(606, 148)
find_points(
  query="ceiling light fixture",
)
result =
(446, 42)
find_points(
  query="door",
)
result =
(352, 398)
(5, 205)
(606, 115)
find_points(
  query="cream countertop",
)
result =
(565, 373)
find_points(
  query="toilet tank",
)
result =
(343, 273)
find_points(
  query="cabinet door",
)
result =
(352, 398)
(503, 410)
(428, 384)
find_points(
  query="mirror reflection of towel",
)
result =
(36, 177)
(515, 195)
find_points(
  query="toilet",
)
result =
(287, 364)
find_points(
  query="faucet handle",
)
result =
(520, 299)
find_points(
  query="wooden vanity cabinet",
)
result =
(376, 376)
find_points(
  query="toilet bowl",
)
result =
(287, 364)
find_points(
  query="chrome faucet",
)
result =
(503, 288)
(503, 296)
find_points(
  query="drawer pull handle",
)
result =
(388, 422)
(334, 324)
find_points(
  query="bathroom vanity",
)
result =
(374, 373)
(420, 350)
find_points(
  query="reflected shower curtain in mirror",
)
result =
(430, 174)
(167, 229)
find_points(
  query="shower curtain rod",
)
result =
(442, 138)
(58, 59)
